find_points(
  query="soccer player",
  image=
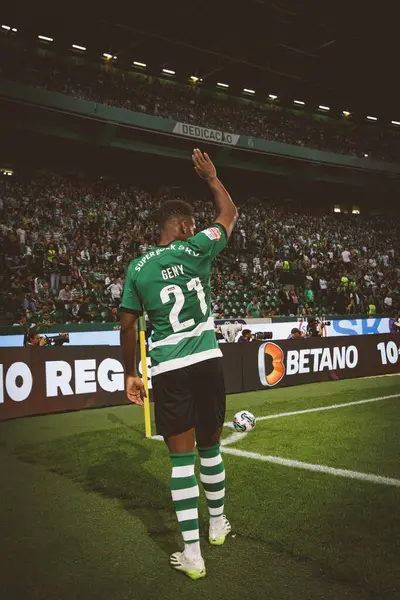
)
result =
(172, 284)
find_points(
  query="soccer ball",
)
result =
(244, 421)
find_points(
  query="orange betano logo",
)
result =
(271, 366)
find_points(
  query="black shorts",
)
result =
(190, 397)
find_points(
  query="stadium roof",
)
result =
(337, 55)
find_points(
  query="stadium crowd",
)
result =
(66, 242)
(115, 87)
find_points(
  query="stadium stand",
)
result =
(137, 92)
(66, 242)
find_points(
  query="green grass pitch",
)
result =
(86, 510)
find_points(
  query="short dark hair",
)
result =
(246, 332)
(295, 330)
(174, 209)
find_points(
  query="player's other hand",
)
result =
(203, 165)
(134, 389)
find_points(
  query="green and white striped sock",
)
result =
(185, 495)
(212, 476)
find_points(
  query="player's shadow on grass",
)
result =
(142, 494)
(118, 421)
(118, 463)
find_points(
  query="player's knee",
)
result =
(206, 439)
(181, 443)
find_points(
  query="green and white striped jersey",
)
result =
(172, 284)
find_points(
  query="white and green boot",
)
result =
(219, 530)
(193, 568)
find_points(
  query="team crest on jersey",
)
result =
(213, 233)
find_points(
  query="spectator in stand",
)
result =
(285, 302)
(73, 312)
(253, 310)
(346, 256)
(54, 276)
(65, 295)
(44, 293)
(388, 303)
(115, 290)
(218, 310)
(51, 252)
(28, 303)
(22, 237)
(371, 307)
(278, 267)
(46, 321)
(305, 311)
(323, 287)
(84, 313)
(85, 256)
(351, 308)
(309, 296)
(65, 268)
(77, 293)
(294, 303)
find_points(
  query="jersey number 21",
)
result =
(175, 290)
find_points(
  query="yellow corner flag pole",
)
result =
(143, 358)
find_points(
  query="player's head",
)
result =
(175, 217)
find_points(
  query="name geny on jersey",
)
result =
(171, 272)
(153, 253)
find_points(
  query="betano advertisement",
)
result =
(290, 362)
(46, 380)
(280, 331)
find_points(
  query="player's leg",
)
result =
(181, 443)
(212, 477)
(174, 410)
(185, 496)
(210, 418)
(185, 490)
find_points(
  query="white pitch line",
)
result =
(234, 437)
(320, 408)
(297, 464)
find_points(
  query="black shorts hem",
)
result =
(168, 433)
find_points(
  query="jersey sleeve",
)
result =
(210, 241)
(131, 301)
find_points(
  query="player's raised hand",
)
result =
(203, 165)
(135, 391)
